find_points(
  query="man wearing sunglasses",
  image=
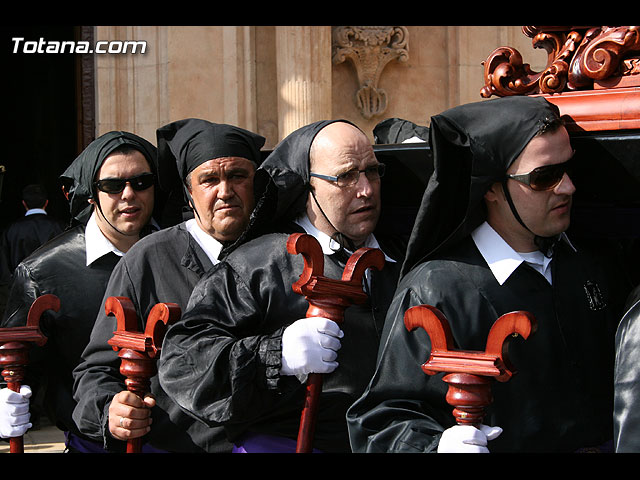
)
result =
(212, 167)
(490, 238)
(111, 191)
(243, 348)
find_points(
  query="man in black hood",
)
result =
(242, 350)
(112, 194)
(490, 239)
(213, 166)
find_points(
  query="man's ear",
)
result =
(494, 193)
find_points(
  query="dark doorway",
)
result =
(42, 116)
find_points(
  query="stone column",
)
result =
(132, 87)
(303, 76)
(239, 76)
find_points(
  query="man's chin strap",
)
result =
(148, 228)
(97, 202)
(544, 244)
(340, 238)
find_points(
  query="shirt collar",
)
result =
(96, 244)
(502, 259)
(329, 245)
(210, 245)
(32, 211)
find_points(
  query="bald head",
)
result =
(351, 210)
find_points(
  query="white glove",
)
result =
(310, 345)
(467, 439)
(14, 412)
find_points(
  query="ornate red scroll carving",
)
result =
(14, 355)
(327, 298)
(578, 58)
(469, 374)
(138, 351)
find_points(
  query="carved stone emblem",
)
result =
(370, 49)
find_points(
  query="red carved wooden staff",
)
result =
(327, 298)
(469, 373)
(138, 351)
(14, 355)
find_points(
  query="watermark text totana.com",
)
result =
(20, 45)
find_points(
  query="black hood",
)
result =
(281, 183)
(398, 130)
(472, 145)
(79, 177)
(185, 144)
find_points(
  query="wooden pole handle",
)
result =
(14, 346)
(327, 298)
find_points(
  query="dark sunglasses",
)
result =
(117, 185)
(544, 178)
(347, 179)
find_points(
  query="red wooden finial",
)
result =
(327, 298)
(138, 351)
(469, 373)
(14, 346)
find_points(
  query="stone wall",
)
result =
(274, 79)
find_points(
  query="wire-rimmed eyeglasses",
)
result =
(347, 179)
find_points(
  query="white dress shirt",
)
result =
(210, 245)
(503, 260)
(96, 244)
(328, 244)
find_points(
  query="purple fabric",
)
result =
(261, 443)
(80, 445)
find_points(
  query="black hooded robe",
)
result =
(561, 398)
(221, 361)
(163, 267)
(59, 268)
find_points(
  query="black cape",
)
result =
(221, 361)
(404, 410)
(162, 267)
(59, 267)
(560, 399)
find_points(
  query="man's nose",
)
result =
(128, 191)
(566, 186)
(225, 189)
(363, 186)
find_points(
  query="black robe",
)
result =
(59, 267)
(221, 362)
(163, 267)
(626, 418)
(561, 398)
